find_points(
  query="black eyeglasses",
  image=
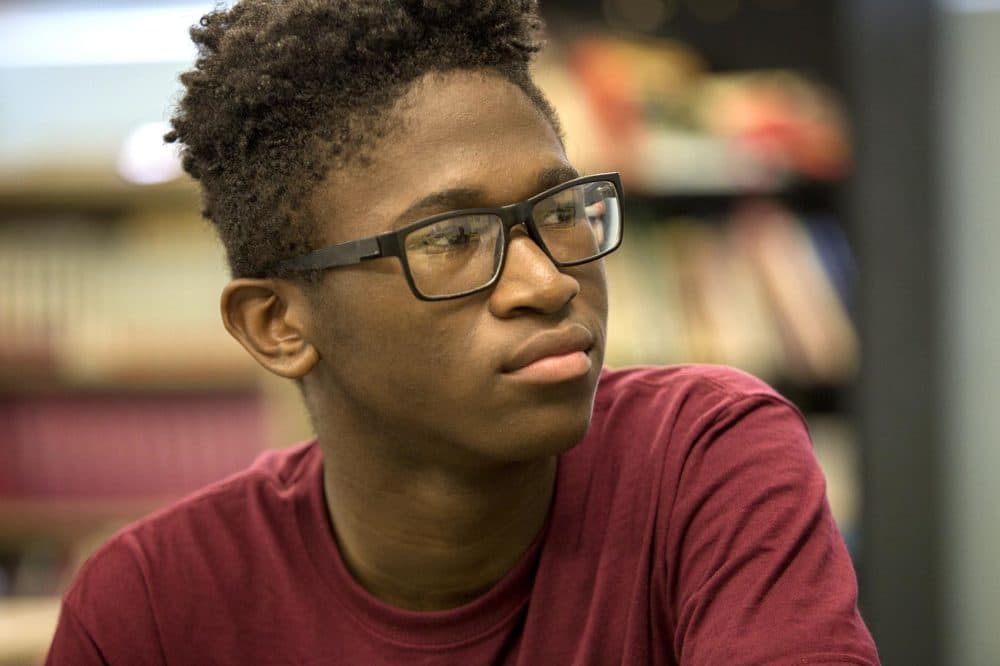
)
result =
(462, 252)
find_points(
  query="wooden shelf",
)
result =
(68, 521)
(148, 377)
(98, 191)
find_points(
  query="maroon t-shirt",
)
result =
(690, 526)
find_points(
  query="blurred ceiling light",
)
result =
(145, 159)
(639, 15)
(47, 35)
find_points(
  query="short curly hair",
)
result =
(285, 90)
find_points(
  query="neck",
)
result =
(429, 537)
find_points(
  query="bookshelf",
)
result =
(883, 58)
(119, 388)
(156, 234)
(738, 250)
(108, 288)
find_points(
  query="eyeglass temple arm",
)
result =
(344, 254)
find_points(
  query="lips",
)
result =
(555, 342)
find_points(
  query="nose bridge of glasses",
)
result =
(520, 215)
(516, 214)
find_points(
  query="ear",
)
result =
(268, 317)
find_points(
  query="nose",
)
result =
(530, 282)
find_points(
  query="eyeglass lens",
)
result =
(463, 253)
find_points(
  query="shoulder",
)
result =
(672, 425)
(181, 566)
(657, 427)
(683, 396)
(714, 381)
(272, 478)
(230, 510)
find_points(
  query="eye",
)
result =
(596, 211)
(560, 216)
(448, 238)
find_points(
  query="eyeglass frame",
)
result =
(391, 243)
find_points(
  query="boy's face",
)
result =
(442, 376)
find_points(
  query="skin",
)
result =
(439, 464)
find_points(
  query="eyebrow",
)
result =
(456, 198)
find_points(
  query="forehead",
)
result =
(467, 130)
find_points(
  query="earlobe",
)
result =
(268, 318)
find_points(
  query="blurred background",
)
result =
(811, 194)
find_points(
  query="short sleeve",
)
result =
(106, 617)
(757, 571)
(72, 643)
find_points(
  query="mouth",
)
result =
(553, 356)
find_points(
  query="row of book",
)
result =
(90, 311)
(102, 304)
(757, 288)
(124, 446)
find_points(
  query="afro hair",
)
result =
(283, 91)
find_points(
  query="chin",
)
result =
(545, 433)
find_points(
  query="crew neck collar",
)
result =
(495, 609)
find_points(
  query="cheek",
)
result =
(354, 327)
(390, 341)
(593, 287)
(449, 344)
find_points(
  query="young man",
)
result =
(410, 244)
